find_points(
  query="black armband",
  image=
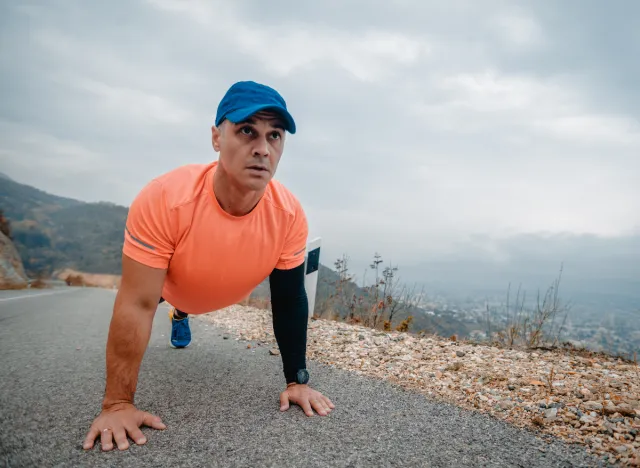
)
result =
(290, 308)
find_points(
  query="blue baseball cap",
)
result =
(245, 98)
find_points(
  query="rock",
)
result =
(511, 387)
(586, 419)
(609, 408)
(12, 274)
(593, 406)
(633, 403)
(620, 449)
(225, 337)
(461, 353)
(585, 393)
(274, 352)
(361, 337)
(625, 410)
(551, 413)
(538, 421)
(505, 405)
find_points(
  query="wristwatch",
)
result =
(302, 376)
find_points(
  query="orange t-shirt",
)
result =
(214, 259)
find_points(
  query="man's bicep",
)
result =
(141, 284)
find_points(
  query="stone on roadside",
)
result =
(625, 410)
(274, 352)
(593, 406)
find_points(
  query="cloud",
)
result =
(475, 102)
(127, 103)
(519, 29)
(366, 55)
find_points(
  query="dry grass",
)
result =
(13, 287)
(257, 302)
(80, 278)
(39, 283)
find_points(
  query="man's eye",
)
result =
(246, 130)
(275, 135)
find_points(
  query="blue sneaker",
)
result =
(180, 331)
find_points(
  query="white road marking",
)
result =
(24, 296)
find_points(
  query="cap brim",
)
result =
(241, 115)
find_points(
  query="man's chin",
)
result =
(258, 184)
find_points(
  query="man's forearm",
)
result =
(129, 335)
(290, 308)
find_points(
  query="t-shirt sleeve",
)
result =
(295, 245)
(148, 231)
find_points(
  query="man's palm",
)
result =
(118, 422)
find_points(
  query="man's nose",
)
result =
(261, 147)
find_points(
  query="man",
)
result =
(202, 237)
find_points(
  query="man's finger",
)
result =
(120, 437)
(91, 437)
(150, 420)
(328, 402)
(306, 407)
(319, 407)
(284, 401)
(136, 435)
(106, 439)
(325, 406)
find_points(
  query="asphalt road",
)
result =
(220, 403)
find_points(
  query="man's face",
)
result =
(250, 151)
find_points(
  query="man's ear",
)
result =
(216, 136)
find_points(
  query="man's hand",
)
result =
(116, 423)
(307, 398)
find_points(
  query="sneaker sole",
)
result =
(178, 347)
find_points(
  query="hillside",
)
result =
(12, 274)
(52, 232)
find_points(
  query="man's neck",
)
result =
(233, 199)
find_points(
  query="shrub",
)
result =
(74, 280)
(404, 325)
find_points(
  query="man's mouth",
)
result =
(259, 168)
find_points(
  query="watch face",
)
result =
(303, 376)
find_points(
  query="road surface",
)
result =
(220, 403)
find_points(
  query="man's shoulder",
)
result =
(283, 198)
(183, 184)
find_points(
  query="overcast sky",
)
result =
(421, 124)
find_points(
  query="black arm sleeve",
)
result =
(290, 309)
